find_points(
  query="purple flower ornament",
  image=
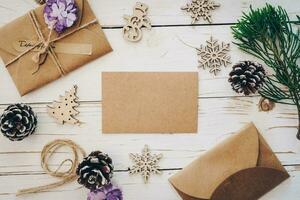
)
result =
(107, 192)
(60, 14)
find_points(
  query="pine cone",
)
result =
(17, 122)
(247, 77)
(95, 171)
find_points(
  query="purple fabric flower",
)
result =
(107, 192)
(60, 14)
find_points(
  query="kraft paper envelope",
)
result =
(150, 102)
(78, 45)
(243, 167)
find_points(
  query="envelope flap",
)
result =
(17, 32)
(266, 157)
(249, 184)
(80, 5)
(13, 32)
(9, 36)
(204, 175)
(187, 197)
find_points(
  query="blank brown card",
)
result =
(149, 102)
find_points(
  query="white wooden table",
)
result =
(221, 111)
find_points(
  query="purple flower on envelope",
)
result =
(60, 14)
(107, 192)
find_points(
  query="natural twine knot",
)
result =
(48, 45)
(41, 55)
(45, 48)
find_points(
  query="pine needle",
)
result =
(269, 35)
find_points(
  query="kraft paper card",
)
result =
(78, 45)
(150, 102)
(243, 167)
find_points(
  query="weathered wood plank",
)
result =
(161, 50)
(132, 186)
(167, 12)
(218, 118)
(221, 111)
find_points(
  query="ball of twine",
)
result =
(65, 176)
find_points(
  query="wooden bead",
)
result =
(266, 104)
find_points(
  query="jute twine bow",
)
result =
(66, 176)
(41, 56)
(46, 43)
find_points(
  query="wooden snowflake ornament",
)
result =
(145, 164)
(64, 110)
(200, 9)
(214, 55)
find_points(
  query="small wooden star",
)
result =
(145, 164)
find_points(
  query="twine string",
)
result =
(47, 49)
(186, 44)
(65, 176)
(41, 55)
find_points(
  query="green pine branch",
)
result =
(269, 35)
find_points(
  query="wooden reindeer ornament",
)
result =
(64, 110)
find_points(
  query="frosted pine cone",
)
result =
(17, 122)
(95, 171)
(247, 77)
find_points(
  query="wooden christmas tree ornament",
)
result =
(132, 31)
(64, 110)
